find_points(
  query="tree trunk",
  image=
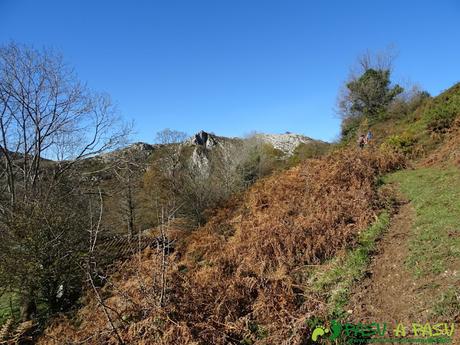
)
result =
(28, 307)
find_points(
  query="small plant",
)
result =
(258, 331)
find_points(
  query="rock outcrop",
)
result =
(286, 142)
(138, 151)
(203, 139)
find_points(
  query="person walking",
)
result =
(361, 141)
(369, 136)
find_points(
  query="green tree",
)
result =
(371, 93)
(368, 92)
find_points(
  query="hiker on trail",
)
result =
(368, 136)
(361, 141)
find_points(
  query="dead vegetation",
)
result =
(449, 152)
(243, 277)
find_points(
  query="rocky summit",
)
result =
(286, 142)
(204, 139)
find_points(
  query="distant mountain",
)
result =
(286, 143)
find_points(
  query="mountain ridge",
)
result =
(284, 142)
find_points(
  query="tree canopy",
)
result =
(370, 94)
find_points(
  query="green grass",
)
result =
(9, 307)
(435, 195)
(433, 246)
(449, 305)
(343, 271)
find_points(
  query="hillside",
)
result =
(244, 283)
(425, 128)
(415, 274)
(290, 251)
(198, 150)
(301, 247)
(200, 164)
(267, 239)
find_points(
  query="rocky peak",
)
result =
(204, 139)
(286, 142)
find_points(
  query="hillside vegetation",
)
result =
(239, 241)
(435, 193)
(243, 277)
(424, 128)
(250, 274)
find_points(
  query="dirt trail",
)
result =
(389, 292)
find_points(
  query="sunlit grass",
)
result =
(435, 195)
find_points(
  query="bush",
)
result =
(405, 105)
(440, 120)
(258, 159)
(307, 151)
(404, 143)
(440, 115)
(350, 127)
(42, 246)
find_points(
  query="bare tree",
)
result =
(91, 269)
(162, 179)
(382, 60)
(170, 136)
(126, 173)
(45, 113)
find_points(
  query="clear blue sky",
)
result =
(233, 66)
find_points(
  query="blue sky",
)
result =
(234, 66)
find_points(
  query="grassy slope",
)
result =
(435, 193)
(416, 132)
(434, 246)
